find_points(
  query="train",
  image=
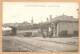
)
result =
(6, 31)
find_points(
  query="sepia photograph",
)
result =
(40, 27)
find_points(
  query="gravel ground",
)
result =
(39, 44)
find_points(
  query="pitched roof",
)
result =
(64, 18)
(61, 18)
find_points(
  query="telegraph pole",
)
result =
(32, 21)
(50, 17)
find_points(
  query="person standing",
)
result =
(13, 31)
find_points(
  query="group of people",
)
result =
(47, 31)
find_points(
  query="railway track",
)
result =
(31, 47)
(71, 43)
(35, 45)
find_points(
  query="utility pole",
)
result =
(41, 20)
(50, 17)
(47, 19)
(32, 21)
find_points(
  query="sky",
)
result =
(24, 11)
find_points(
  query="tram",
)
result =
(6, 31)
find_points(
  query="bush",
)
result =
(36, 34)
(70, 35)
(28, 34)
(63, 33)
(75, 33)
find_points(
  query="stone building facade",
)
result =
(65, 23)
(69, 26)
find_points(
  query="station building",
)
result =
(63, 24)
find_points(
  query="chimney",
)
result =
(50, 17)
(47, 19)
(32, 21)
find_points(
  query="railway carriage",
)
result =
(6, 31)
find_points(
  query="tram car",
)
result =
(6, 31)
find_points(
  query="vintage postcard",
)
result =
(40, 27)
